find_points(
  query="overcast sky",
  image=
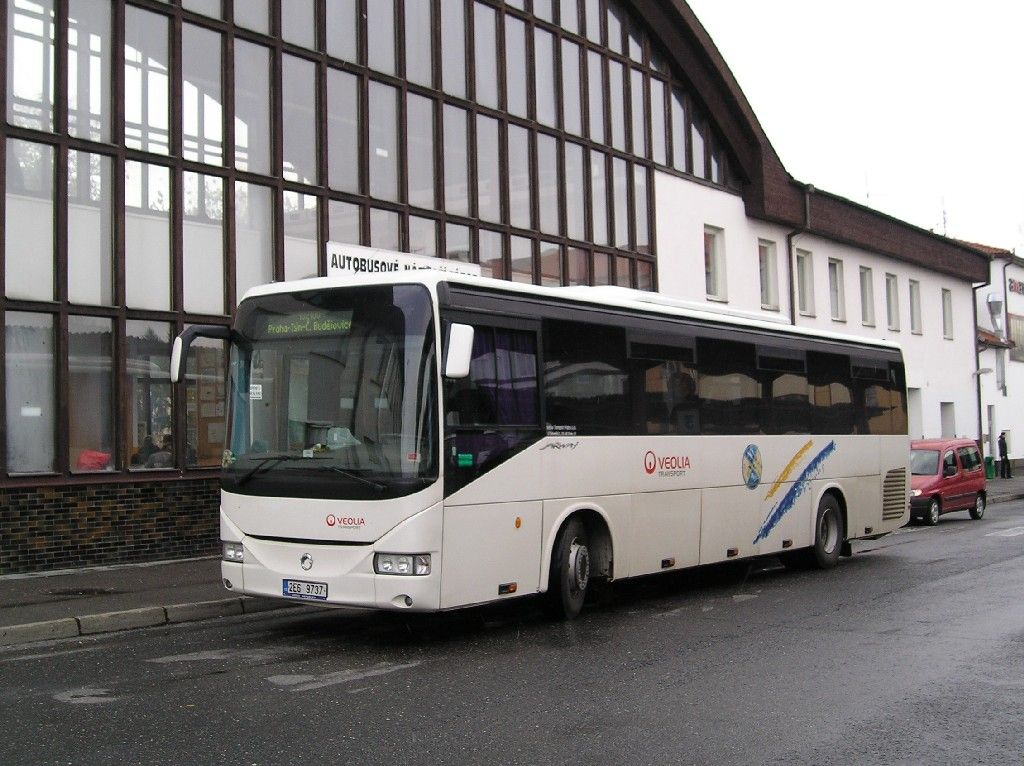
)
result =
(912, 107)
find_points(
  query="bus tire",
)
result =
(829, 533)
(570, 572)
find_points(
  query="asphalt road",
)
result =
(909, 652)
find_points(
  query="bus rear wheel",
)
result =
(829, 533)
(570, 572)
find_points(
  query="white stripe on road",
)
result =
(1011, 532)
(308, 683)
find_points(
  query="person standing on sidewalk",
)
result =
(1004, 458)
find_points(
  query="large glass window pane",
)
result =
(617, 104)
(380, 36)
(422, 236)
(544, 56)
(550, 264)
(147, 236)
(515, 66)
(522, 259)
(419, 23)
(643, 235)
(569, 16)
(384, 230)
(678, 130)
(456, 161)
(488, 170)
(254, 237)
(599, 198)
(31, 403)
(579, 266)
(420, 150)
(485, 54)
(458, 245)
(635, 40)
(301, 236)
(30, 63)
(658, 132)
(28, 234)
(595, 96)
(255, 14)
(202, 119)
(383, 119)
(620, 194)
(146, 110)
(252, 107)
(639, 121)
(616, 16)
(697, 135)
(204, 392)
(519, 185)
(572, 104)
(544, 9)
(343, 223)
(149, 432)
(90, 276)
(644, 276)
(298, 79)
(91, 408)
(343, 133)
(453, 47)
(547, 182)
(210, 8)
(575, 192)
(602, 269)
(623, 276)
(202, 244)
(592, 9)
(298, 22)
(492, 258)
(89, 67)
(342, 25)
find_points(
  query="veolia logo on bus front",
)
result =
(353, 260)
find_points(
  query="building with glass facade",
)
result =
(160, 158)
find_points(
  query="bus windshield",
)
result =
(333, 394)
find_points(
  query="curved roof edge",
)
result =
(769, 192)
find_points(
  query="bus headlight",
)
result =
(401, 563)
(233, 552)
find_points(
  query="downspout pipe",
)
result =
(977, 365)
(791, 253)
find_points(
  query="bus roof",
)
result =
(640, 301)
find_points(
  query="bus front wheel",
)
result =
(570, 571)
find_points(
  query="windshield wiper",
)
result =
(262, 466)
(352, 475)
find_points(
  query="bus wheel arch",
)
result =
(581, 558)
(830, 529)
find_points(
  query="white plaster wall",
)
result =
(1009, 415)
(942, 369)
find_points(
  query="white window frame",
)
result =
(947, 314)
(915, 306)
(767, 260)
(836, 290)
(867, 297)
(805, 282)
(892, 302)
(714, 264)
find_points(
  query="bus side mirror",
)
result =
(179, 351)
(459, 353)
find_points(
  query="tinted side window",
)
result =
(586, 381)
(786, 407)
(668, 380)
(730, 393)
(831, 396)
(879, 396)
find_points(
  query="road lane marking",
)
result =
(302, 683)
(1012, 532)
(255, 655)
(85, 695)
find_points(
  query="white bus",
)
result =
(426, 441)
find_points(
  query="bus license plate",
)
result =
(317, 591)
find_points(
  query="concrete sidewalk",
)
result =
(36, 607)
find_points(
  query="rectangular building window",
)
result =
(544, 82)
(30, 37)
(522, 260)
(91, 409)
(547, 183)
(31, 402)
(714, 264)
(892, 302)
(572, 102)
(867, 297)
(204, 423)
(420, 150)
(380, 36)
(298, 123)
(252, 107)
(342, 27)
(595, 96)
(488, 169)
(422, 236)
(89, 64)
(298, 24)
(383, 120)
(419, 60)
(301, 228)
(805, 282)
(343, 131)
(147, 236)
(767, 262)
(202, 119)
(599, 197)
(149, 432)
(519, 176)
(836, 290)
(254, 236)
(29, 214)
(146, 96)
(516, 66)
(1015, 332)
(492, 254)
(915, 306)
(203, 243)
(456, 161)
(947, 314)
(90, 272)
(453, 48)
(485, 49)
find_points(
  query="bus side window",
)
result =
(730, 392)
(828, 377)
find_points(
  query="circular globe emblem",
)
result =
(751, 466)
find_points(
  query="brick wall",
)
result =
(57, 527)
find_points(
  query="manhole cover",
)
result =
(84, 592)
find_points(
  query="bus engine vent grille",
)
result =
(894, 494)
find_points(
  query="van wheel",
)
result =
(932, 518)
(828, 534)
(979, 507)
(570, 572)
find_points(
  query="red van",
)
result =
(946, 475)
